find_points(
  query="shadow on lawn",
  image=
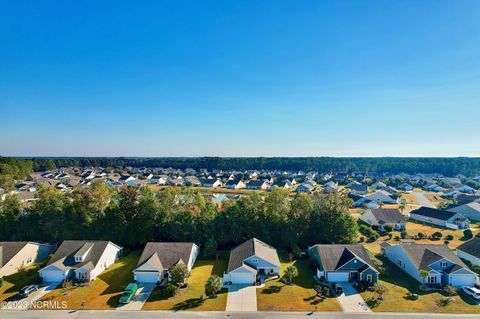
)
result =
(272, 289)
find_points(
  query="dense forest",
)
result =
(132, 216)
(445, 166)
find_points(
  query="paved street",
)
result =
(351, 300)
(144, 291)
(60, 314)
(25, 303)
(242, 298)
(422, 200)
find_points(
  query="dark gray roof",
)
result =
(359, 187)
(256, 183)
(388, 215)
(165, 255)
(64, 257)
(8, 249)
(333, 257)
(433, 213)
(252, 247)
(422, 255)
(471, 247)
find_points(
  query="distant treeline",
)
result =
(445, 166)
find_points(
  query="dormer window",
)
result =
(354, 261)
(254, 260)
(78, 259)
(443, 264)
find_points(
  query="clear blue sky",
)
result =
(240, 78)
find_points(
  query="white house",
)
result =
(470, 251)
(16, 255)
(235, 184)
(444, 267)
(250, 259)
(82, 259)
(157, 258)
(257, 185)
(441, 218)
(470, 210)
(381, 217)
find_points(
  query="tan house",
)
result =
(15, 255)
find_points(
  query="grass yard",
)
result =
(276, 296)
(189, 298)
(104, 292)
(15, 282)
(410, 199)
(414, 228)
(399, 284)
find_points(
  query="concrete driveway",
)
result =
(351, 300)
(241, 298)
(144, 291)
(26, 303)
(423, 200)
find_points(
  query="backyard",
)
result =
(193, 296)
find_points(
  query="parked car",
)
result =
(338, 289)
(129, 292)
(472, 292)
(27, 290)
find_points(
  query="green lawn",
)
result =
(104, 292)
(190, 298)
(15, 282)
(399, 284)
(277, 296)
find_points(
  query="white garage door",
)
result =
(147, 277)
(337, 276)
(244, 278)
(52, 275)
(463, 280)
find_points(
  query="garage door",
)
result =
(52, 275)
(244, 278)
(337, 276)
(463, 280)
(147, 277)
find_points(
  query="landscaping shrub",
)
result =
(449, 237)
(411, 296)
(421, 235)
(404, 234)
(170, 290)
(388, 228)
(437, 235)
(467, 233)
(450, 291)
(369, 232)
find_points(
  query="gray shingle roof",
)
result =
(333, 257)
(252, 247)
(64, 257)
(471, 247)
(388, 215)
(422, 255)
(165, 255)
(433, 213)
(8, 249)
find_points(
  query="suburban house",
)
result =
(126, 178)
(470, 251)
(470, 210)
(405, 187)
(214, 182)
(82, 259)
(235, 184)
(441, 218)
(330, 186)
(343, 263)
(358, 189)
(305, 188)
(16, 255)
(444, 267)
(376, 199)
(157, 258)
(250, 259)
(381, 217)
(257, 185)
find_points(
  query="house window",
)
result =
(82, 275)
(29, 260)
(399, 262)
(432, 279)
(254, 260)
(369, 278)
(78, 259)
(443, 264)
